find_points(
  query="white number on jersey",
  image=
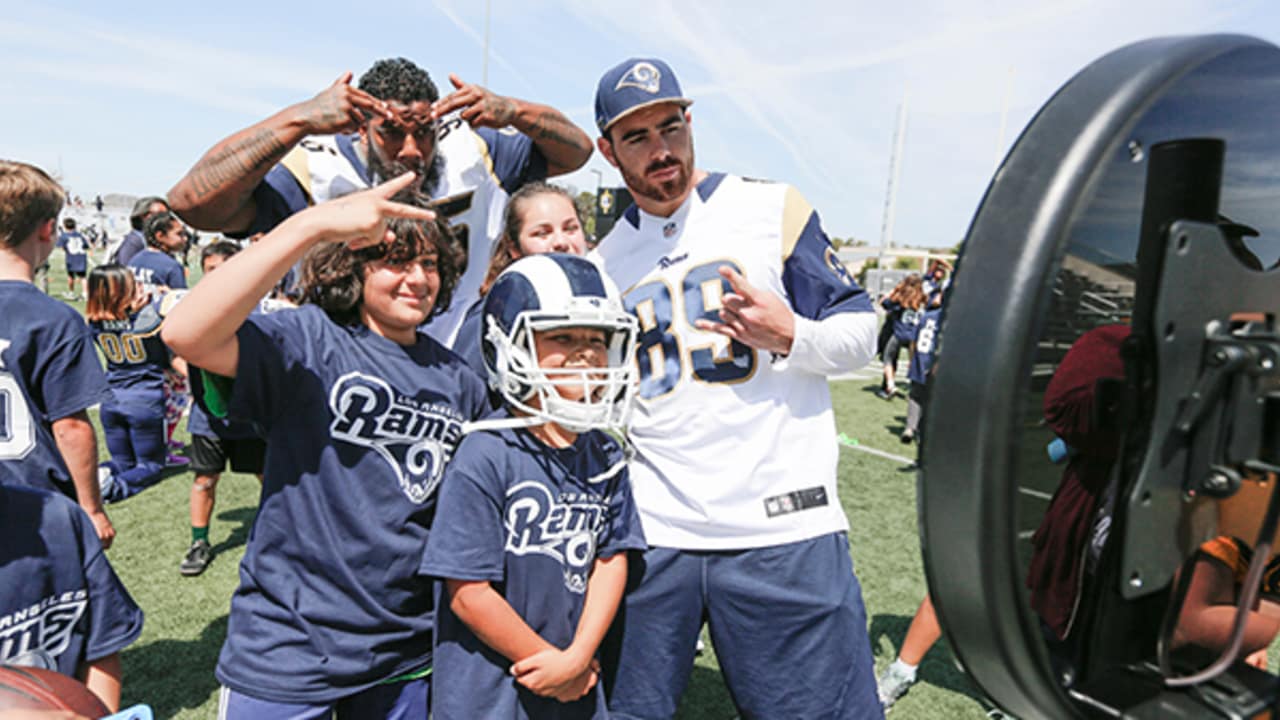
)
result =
(122, 347)
(17, 433)
(924, 341)
(451, 207)
(660, 354)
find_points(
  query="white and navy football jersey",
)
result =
(735, 450)
(136, 357)
(481, 169)
(48, 371)
(76, 248)
(925, 351)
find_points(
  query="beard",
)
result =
(382, 170)
(663, 191)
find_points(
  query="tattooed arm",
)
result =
(217, 193)
(565, 146)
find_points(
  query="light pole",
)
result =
(484, 73)
(595, 210)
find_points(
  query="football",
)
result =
(24, 688)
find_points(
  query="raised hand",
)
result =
(480, 107)
(752, 316)
(338, 108)
(360, 219)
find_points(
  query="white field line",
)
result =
(878, 453)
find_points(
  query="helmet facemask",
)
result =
(608, 392)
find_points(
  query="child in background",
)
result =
(158, 272)
(217, 442)
(535, 512)
(77, 257)
(155, 268)
(924, 630)
(361, 414)
(903, 313)
(924, 346)
(127, 330)
(49, 372)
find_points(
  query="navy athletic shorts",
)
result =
(787, 623)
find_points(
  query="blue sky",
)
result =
(125, 96)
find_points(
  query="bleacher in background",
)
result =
(1085, 295)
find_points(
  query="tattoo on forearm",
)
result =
(502, 109)
(229, 164)
(553, 126)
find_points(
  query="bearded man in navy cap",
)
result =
(744, 311)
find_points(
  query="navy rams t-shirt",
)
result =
(527, 518)
(358, 432)
(48, 371)
(61, 604)
(154, 269)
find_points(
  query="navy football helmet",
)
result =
(547, 292)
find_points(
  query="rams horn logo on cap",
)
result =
(643, 75)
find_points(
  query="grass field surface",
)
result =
(171, 665)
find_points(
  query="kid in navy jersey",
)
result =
(49, 372)
(154, 267)
(903, 308)
(61, 605)
(158, 272)
(924, 347)
(77, 256)
(126, 328)
(361, 413)
(924, 629)
(535, 512)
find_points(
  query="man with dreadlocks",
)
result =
(471, 150)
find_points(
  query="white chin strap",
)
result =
(503, 423)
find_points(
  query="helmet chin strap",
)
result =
(523, 421)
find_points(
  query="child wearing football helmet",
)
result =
(535, 513)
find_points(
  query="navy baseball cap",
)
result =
(635, 84)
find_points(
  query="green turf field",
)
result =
(171, 666)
